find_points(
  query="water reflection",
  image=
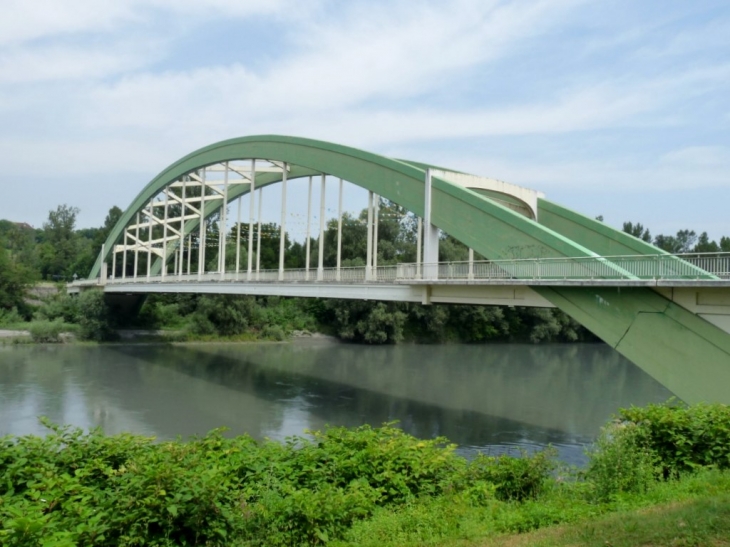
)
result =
(481, 397)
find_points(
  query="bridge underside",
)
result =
(484, 295)
(663, 335)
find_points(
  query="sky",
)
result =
(616, 108)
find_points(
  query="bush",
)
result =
(683, 437)
(60, 306)
(514, 479)
(46, 332)
(274, 332)
(621, 460)
(224, 315)
(94, 319)
(10, 317)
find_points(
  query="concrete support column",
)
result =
(182, 224)
(252, 205)
(258, 234)
(431, 235)
(190, 251)
(369, 256)
(322, 214)
(339, 232)
(282, 228)
(114, 262)
(201, 237)
(163, 269)
(471, 263)
(149, 240)
(124, 256)
(376, 214)
(419, 247)
(136, 248)
(223, 226)
(238, 238)
(308, 239)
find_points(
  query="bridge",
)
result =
(669, 314)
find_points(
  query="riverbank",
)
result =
(662, 467)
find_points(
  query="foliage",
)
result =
(223, 314)
(89, 489)
(46, 332)
(13, 282)
(94, 318)
(365, 486)
(684, 437)
(59, 306)
(60, 243)
(621, 460)
(274, 332)
(363, 321)
(514, 479)
(10, 317)
(637, 230)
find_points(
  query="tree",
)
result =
(94, 317)
(637, 230)
(13, 281)
(704, 245)
(683, 242)
(60, 248)
(725, 244)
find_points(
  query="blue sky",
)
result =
(612, 107)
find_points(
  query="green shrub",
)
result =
(685, 437)
(274, 332)
(225, 315)
(621, 460)
(503, 477)
(94, 318)
(59, 306)
(46, 332)
(10, 317)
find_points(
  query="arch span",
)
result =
(456, 210)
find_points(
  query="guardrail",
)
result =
(695, 266)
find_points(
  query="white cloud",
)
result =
(24, 20)
(27, 65)
(378, 75)
(683, 169)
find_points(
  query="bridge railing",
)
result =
(679, 266)
(694, 266)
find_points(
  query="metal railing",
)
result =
(695, 266)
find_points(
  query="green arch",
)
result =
(460, 212)
(683, 351)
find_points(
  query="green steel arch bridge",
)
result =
(669, 314)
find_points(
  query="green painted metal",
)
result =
(456, 210)
(681, 350)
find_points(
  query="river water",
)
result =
(490, 398)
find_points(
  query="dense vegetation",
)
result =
(59, 250)
(363, 486)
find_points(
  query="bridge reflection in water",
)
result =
(481, 397)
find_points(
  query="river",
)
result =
(492, 398)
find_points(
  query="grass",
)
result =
(694, 510)
(702, 522)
